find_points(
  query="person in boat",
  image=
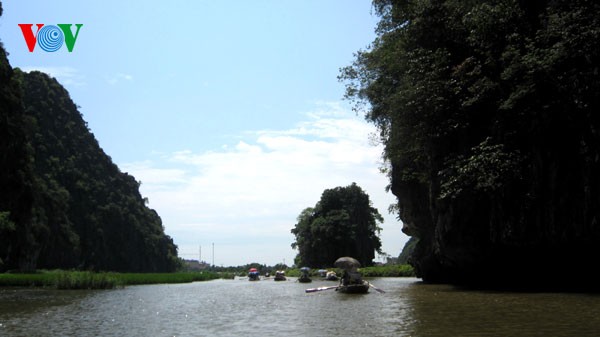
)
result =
(350, 277)
(304, 277)
(331, 276)
(280, 275)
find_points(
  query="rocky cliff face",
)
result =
(539, 230)
(489, 116)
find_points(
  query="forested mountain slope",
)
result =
(63, 202)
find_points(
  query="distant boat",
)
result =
(280, 275)
(253, 274)
(304, 277)
(331, 276)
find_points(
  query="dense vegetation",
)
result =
(390, 270)
(342, 223)
(488, 111)
(63, 202)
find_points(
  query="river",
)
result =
(268, 308)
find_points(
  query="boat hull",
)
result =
(354, 288)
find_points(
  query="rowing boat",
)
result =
(280, 275)
(360, 288)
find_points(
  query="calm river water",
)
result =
(268, 308)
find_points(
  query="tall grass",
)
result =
(182, 277)
(401, 270)
(86, 280)
(26, 280)
(60, 279)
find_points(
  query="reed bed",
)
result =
(86, 280)
(26, 280)
(60, 279)
(155, 278)
(399, 270)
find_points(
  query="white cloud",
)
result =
(157, 178)
(119, 77)
(251, 192)
(67, 76)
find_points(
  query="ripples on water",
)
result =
(268, 308)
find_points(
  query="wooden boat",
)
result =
(359, 288)
(279, 276)
(331, 276)
(253, 274)
(304, 277)
(351, 281)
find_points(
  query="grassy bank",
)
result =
(402, 270)
(60, 279)
(182, 277)
(91, 280)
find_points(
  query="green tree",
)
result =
(342, 223)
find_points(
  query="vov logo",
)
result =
(49, 37)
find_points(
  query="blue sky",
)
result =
(228, 112)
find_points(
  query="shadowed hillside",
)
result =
(488, 111)
(63, 202)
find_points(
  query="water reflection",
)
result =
(22, 301)
(441, 310)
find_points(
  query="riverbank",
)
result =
(61, 279)
(399, 270)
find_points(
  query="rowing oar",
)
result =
(378, 290)
(312, 290)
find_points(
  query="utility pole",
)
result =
(213, 257)
(200, 254)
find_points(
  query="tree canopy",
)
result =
(342, 223)
(488, 114)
